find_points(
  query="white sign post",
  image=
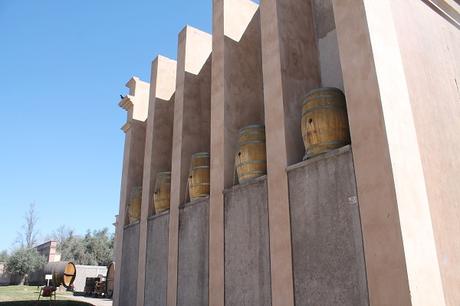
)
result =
(48, 277)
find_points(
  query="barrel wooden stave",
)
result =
(63, 272)
(251, 159)
(199, 178)
(162, 193)
(110, 280)
(134, 206)
(324, 121)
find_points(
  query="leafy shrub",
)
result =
(24, 261)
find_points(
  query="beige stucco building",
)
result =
(49, 251)
(373, 223)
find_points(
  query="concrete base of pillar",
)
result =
(156, 269)
(192, 288)
(129, 264)
(328, 257)
(247, 253)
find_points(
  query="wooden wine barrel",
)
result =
(63, 272)
(324, 121)
(198, 181)
(109, 282)
(134, 206)
(251, 160)
(161, 196)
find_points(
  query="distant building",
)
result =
(49, 251)
(84, 271)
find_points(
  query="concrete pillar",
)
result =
(191, 129)
(136, 105)
(158, 146)
(236, 101)
(290, 69)
(400, 251)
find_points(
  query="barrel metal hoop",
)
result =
(251, 162)
(251, 173)
(200, 184)
(252, 132)
(200, 167)
(251, 127)
(200, 154)
(335, 142)
(163, 174)
(308, 99)
(324, 91)
(256, 135)
(251, 142)
(339, 107)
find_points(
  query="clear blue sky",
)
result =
(63, 65)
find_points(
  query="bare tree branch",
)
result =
(30, 231)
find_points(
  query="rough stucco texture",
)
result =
(247, 257)
(430, 48)
(157, 261)
(128, 279)
(193, 254)
(329, 59)
(328, 258)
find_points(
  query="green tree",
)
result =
(73, 249)
(95, 248)
(100, 245)
(24, 261)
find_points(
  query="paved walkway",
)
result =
(95, 302)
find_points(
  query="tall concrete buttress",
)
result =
(236, 100)
(290, 69)
(398, 65)
(158, 144)
(136, 106)
(191, 130)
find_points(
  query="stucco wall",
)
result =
(193, 254)
(328, 257)
(135, 159)
(156, 270)
(328, 48)
(86, 271)
(243, 89)
(430, 49)
(236, 100)
(129, 261)
(160, 150)
(247, 257)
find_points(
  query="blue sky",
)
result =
(63, 65)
